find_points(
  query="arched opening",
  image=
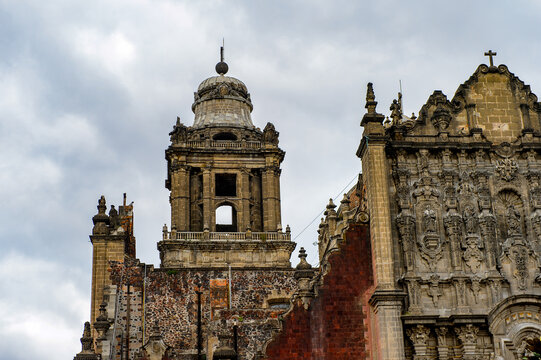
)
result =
(224, 136)
(226, 218)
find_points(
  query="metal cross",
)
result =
(222, 50)
(490, 54)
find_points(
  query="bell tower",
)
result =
(224, 178)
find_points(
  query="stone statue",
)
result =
(114, 218)
(429, 220)
(470, 220)
(513, 221)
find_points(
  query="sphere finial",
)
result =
(221, 67)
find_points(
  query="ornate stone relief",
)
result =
(434, 290)
(430, 245)
(448, 178)
(453, 228)
(483, 190)
(443, 348)
(460, 288)
(514, 225)
(516, 249)
(468, 338)
(419, 336)
(475, 288)
(495, 285)
(473, 256)
(413, 295)
(405, 222)
(441, 117)
(426, 189)
(401, 177)
(506, 169)
(487, 227)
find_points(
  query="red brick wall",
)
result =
(336, 326)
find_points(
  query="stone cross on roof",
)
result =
(490, 54)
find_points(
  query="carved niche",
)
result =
(472, 244)
(430, 244)
(517, 254)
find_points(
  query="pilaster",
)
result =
(180, 198)
(207, 194)
(244, 219)
(387, 299)
(269, 200)
(387, 306)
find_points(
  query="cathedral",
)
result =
(433, 254)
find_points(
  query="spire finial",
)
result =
(303, 264)
(370, 99)
(221, 67)
(371, 115)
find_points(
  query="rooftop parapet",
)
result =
(226, 236)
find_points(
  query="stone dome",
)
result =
(222, 101)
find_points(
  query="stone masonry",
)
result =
(433, 254)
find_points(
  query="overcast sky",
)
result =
(89, 91)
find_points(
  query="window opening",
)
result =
(225, 136)
(226, 218)
(226, 185)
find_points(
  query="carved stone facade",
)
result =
(434, 254)
(464, 207)
(225, 274)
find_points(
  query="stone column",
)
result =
(243, 217)
(443, 348)
(269, 211)
(207, 197)
(277, 205)
(419, 336)
(468, 338)
(180, 198)
(256, 214)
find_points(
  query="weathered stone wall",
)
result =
(336, 325)
(466, 213)
(258, 298)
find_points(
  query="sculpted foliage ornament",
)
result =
(506, 169)
(441, 118)
(419, 335)
(468, 337)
